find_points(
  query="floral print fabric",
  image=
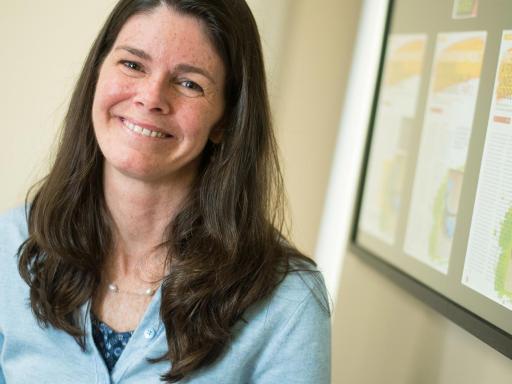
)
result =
(109, 342)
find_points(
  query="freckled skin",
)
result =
(153, 96)
(146, 178)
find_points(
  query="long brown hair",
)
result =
(226, 243)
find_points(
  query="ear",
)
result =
(216, 134)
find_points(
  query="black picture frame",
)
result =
(484, 330)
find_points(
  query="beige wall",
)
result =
(317, 61)
(384, 335)
(43, 46)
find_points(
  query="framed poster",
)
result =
(435, 201)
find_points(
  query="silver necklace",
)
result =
(114, 288)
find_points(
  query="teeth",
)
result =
(143, 131)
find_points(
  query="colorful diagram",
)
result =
(392, 183)
(504, 87)
(465, 9)
(503, 282)
(456, 64)
(444, 142)
(405, 62)
(389, 153)
(446, 205)
(488, 261)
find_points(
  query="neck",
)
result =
(141, 213)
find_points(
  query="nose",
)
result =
(153, 95)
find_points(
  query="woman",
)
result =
(153, 250)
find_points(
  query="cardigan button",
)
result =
(149, 333)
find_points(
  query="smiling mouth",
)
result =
(144, 131)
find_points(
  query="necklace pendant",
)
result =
(113, 288)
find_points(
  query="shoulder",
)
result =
(288, 334)
(300, 300)
(15, 218)
(13, 232)
(13, 290)
(13, 229)
(302, 290)
(302, 281)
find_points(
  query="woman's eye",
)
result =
(189, 88)
(131, 65)
(192, 86)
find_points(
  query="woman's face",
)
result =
(158, 98)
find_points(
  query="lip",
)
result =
(149, 126)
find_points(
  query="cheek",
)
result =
(197, 121)
(109, 92)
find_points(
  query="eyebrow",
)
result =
(137, 52)
(180, 67)
(191, 68)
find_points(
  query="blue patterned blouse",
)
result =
(109, 342)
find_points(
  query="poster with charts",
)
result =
(488, 262)
(443, 149)
(398, 100)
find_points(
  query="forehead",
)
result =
(168, 36)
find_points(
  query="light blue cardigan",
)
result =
(285, 339)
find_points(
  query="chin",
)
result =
(131, 168)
